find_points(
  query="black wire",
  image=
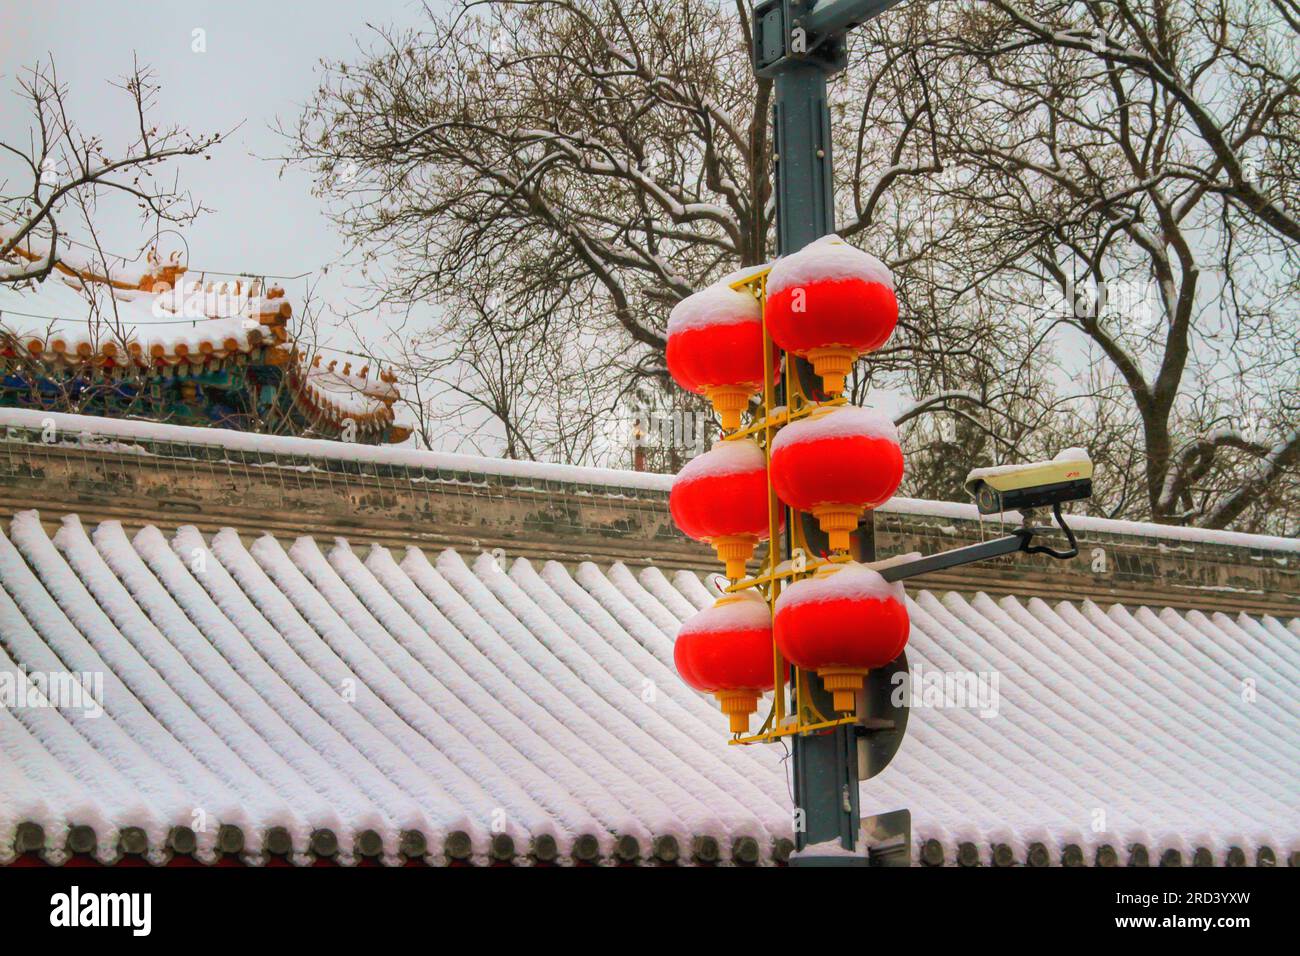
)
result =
(1069, 535)
(787, 767)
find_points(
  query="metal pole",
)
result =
(799, 43)
(825, 765)
(805, 208)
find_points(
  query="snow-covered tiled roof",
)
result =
(66, 319)
(309, 693)
(348, 394)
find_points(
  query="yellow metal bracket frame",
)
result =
(804, 718)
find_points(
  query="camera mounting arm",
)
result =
(1019, 540)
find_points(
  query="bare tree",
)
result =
(563, 172)
(1129, 167)
(510, 384)
(1087, 205)
(53, 180)
(64, 168)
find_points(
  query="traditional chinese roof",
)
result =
(160, 321)
(324, 696)
(65, 321)
(368, 700)
(332, 391)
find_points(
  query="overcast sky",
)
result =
(261, 62)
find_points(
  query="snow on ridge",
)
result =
(513, 743)
(1048, 695)
(133, 739)
(614, 479)
(550, 680)
(1090, 661)
(88, 604)
(488, 758)
(657, 584)
(186, 659)
(332, 450)
(516, 684)
(231, 622)
(696, 591)
(1142, 656)
(255, 758)
(317, 631)
(597, 648)
(284, 639)
(514, 700)
(84, 786)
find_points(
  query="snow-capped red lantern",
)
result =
(837, 463)
(726, 650)
(715, 348)
(841, 622)
(721, 497)
(830, 303)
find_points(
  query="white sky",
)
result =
(261, 63)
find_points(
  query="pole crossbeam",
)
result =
(835, 16)
(807, 32)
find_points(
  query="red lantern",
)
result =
(715, 349)
(721, 497)
(837, 463)
(841, 622)
(830, 303)
(726, 650)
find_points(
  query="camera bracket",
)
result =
(1019, 540)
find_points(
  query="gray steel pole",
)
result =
(826, 765)
(799, 43)
(805, 207)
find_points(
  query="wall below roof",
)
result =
(169, 483)
(1112, 567)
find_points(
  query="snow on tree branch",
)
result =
(67, 169)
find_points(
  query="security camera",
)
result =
(1067, 477)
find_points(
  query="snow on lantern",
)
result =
(830, 303)
(721, 497)
(715, 349)
(837, 463)
(726, 650)
(841, 622)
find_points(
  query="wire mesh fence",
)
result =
(292, 487)
(215, 474)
